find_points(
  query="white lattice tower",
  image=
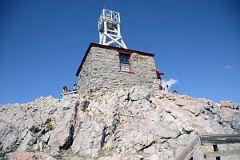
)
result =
(109, 29)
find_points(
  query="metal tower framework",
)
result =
(109, 29)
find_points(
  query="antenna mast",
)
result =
(109, 29)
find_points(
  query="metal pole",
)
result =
(215, 148)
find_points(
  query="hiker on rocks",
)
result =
(65, 90)
(166, 88)
(75, 87)
(175, 92)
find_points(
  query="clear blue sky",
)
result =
(197, 42)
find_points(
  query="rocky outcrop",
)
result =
(122, 125)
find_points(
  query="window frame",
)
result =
(129, 62)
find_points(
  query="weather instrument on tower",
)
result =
(109, 29)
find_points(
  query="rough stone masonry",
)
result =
(100, 71)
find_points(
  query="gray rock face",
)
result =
(139, 93)
(235, 123)
(229, 104)
(21, 155)
(127, 124)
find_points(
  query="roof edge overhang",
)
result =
(123, 50)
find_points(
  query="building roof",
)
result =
(121, 50)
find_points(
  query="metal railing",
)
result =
(214, 140)
(217, 139)
(69, 93)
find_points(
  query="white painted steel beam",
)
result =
(109, 29)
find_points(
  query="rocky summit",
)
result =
(126, 124)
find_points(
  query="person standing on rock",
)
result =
(65, 90)
(75, 87)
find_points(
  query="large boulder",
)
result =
(229, 104)
(235, 123)
(21, 155)
(138, 93)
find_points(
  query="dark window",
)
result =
(124, 62)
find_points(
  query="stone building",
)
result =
(106, 69)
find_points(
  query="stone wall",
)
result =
(85, 75)
(101, 72)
